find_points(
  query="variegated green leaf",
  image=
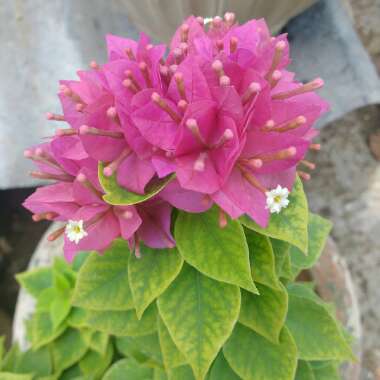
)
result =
(262, 259)
(290, 224)
(159, 374)
(200, 314)
(326, 370)
(265, 313)
(220, 253)
(184, 373)
(15, 376)
(304, 371)
(171, 355)
(128, 369)
(319, 229)
(37, 362)
(151, 274)
(316, 333)
(281, 250)
(253, 357)
(68, 349)
(119, 196)
(42, 330)
(93, 365)
(221, 370)
(102, 282)
(124, 323)
(145, 349)
(36, 280)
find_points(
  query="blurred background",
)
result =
(338, 40)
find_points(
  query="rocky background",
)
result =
(345, 188)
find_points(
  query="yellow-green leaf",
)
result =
(145, 349)
(265, 313)
(253, 357)
(68, 349)
(220, 253)
(304, 371)
(36, 280)
(124, 323)
(319, 229)
(119, 196)
(171, 355)
(316, 333)
(221, 370)
(94, 365)
(262, 259)
(290, 224)
(150, 275)
(326, 370)
(42, 330)
(102, 282)
(128, 369)
(200, 314)
(181, 373)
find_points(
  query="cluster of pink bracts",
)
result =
(219, 110)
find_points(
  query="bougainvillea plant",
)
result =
(182, 170)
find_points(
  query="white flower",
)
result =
(277, 199)
(207, 20)
(75, 231)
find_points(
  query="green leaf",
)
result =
(172, 357)
(78, 317)
(42, 330)
(304, 371)
(281, 250)
(9, 361)
(45, 299)
(68, 349)
(95, 364)
(181, 373)
(326, 371)
(221, 370)
(119, 196)
(319, 229)
(290, 224)
(37, 362)
(305, 290)
(150, 275)
(102, 282)
(124, 323)
(253, 357)
(265, 313)
(79, 260)
(317, 335)
(60, 308)
(220, 253)
(159, 374)
(200, 314)
(15, 376)
(63, 275)
(128, 369)
(2, 349)
(145, 349)
(36, 280)
(262, 259)
(99, 342)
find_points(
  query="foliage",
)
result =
(222, 305)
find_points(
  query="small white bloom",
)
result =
(75, 231)
(207, 20)
(277, 199)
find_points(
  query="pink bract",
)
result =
(219, 111)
